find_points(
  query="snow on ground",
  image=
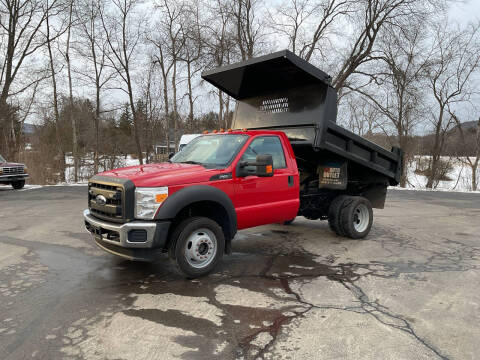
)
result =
(86, 168)
(460, 175)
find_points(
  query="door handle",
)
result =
(290, 180)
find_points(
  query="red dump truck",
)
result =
(287, 157)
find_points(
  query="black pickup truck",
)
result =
(12, 173)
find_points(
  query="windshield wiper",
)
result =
(191, 162)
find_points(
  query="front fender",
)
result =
(197, 193)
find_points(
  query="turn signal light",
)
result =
(269, 169)
(159, 198)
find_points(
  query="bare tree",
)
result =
(397, 93)
(93, 47)
(70, 93)
(307, 23)
(363, 117)
(191, 53)
(370, 17)
(220, 46)
(21, 22)
(466, 149)
(53, 73)
(455, 59)
(169, 44)
(123, 33)
(248, 26)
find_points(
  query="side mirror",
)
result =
(263, 163)
(170, 155)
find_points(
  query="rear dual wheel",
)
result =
(351, 216)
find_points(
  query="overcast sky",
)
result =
(468, 10)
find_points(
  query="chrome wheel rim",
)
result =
(200, 248)
(361, 218)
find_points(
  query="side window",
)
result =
(264, 145)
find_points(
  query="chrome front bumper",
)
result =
(13, 177)
(118, 234)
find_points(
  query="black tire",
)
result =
(356, 217)
(183, 242)
(17, 185)
(334, 214)
(289, 222)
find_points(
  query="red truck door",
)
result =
(266, 200)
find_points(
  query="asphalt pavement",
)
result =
(410, 290)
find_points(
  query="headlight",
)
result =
(148, 200)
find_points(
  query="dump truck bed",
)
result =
(281, 91)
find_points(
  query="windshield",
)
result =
(2, 159)
(213, 151)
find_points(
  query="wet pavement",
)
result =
(411, 290)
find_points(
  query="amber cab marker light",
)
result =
(222, 130)
(215, 131)
(205, 132)
(244, 129)
(229, 130)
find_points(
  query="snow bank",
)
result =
(460, 175)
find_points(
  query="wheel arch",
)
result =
(201, 200)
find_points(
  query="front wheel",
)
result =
(17, 185)
(199, 245)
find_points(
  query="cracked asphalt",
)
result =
(411, 290)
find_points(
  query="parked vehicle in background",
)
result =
(287, 157)
(185, 139)
(12, 174)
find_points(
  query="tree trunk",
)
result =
(167, 114)
(72, 116)
(474, 177)
(175, 110)
(402, 142)
(61, 152)
(190, 96)
(97, 126)
(135, 118)
(220, 108)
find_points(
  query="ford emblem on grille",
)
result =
(101, 200)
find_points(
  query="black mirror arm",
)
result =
(246, 163)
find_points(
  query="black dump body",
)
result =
(283, 92)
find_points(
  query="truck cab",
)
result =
(286, 158)
(220, 182)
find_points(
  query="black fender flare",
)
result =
(197, 193)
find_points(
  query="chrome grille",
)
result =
(113, 209)
(13, 170)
